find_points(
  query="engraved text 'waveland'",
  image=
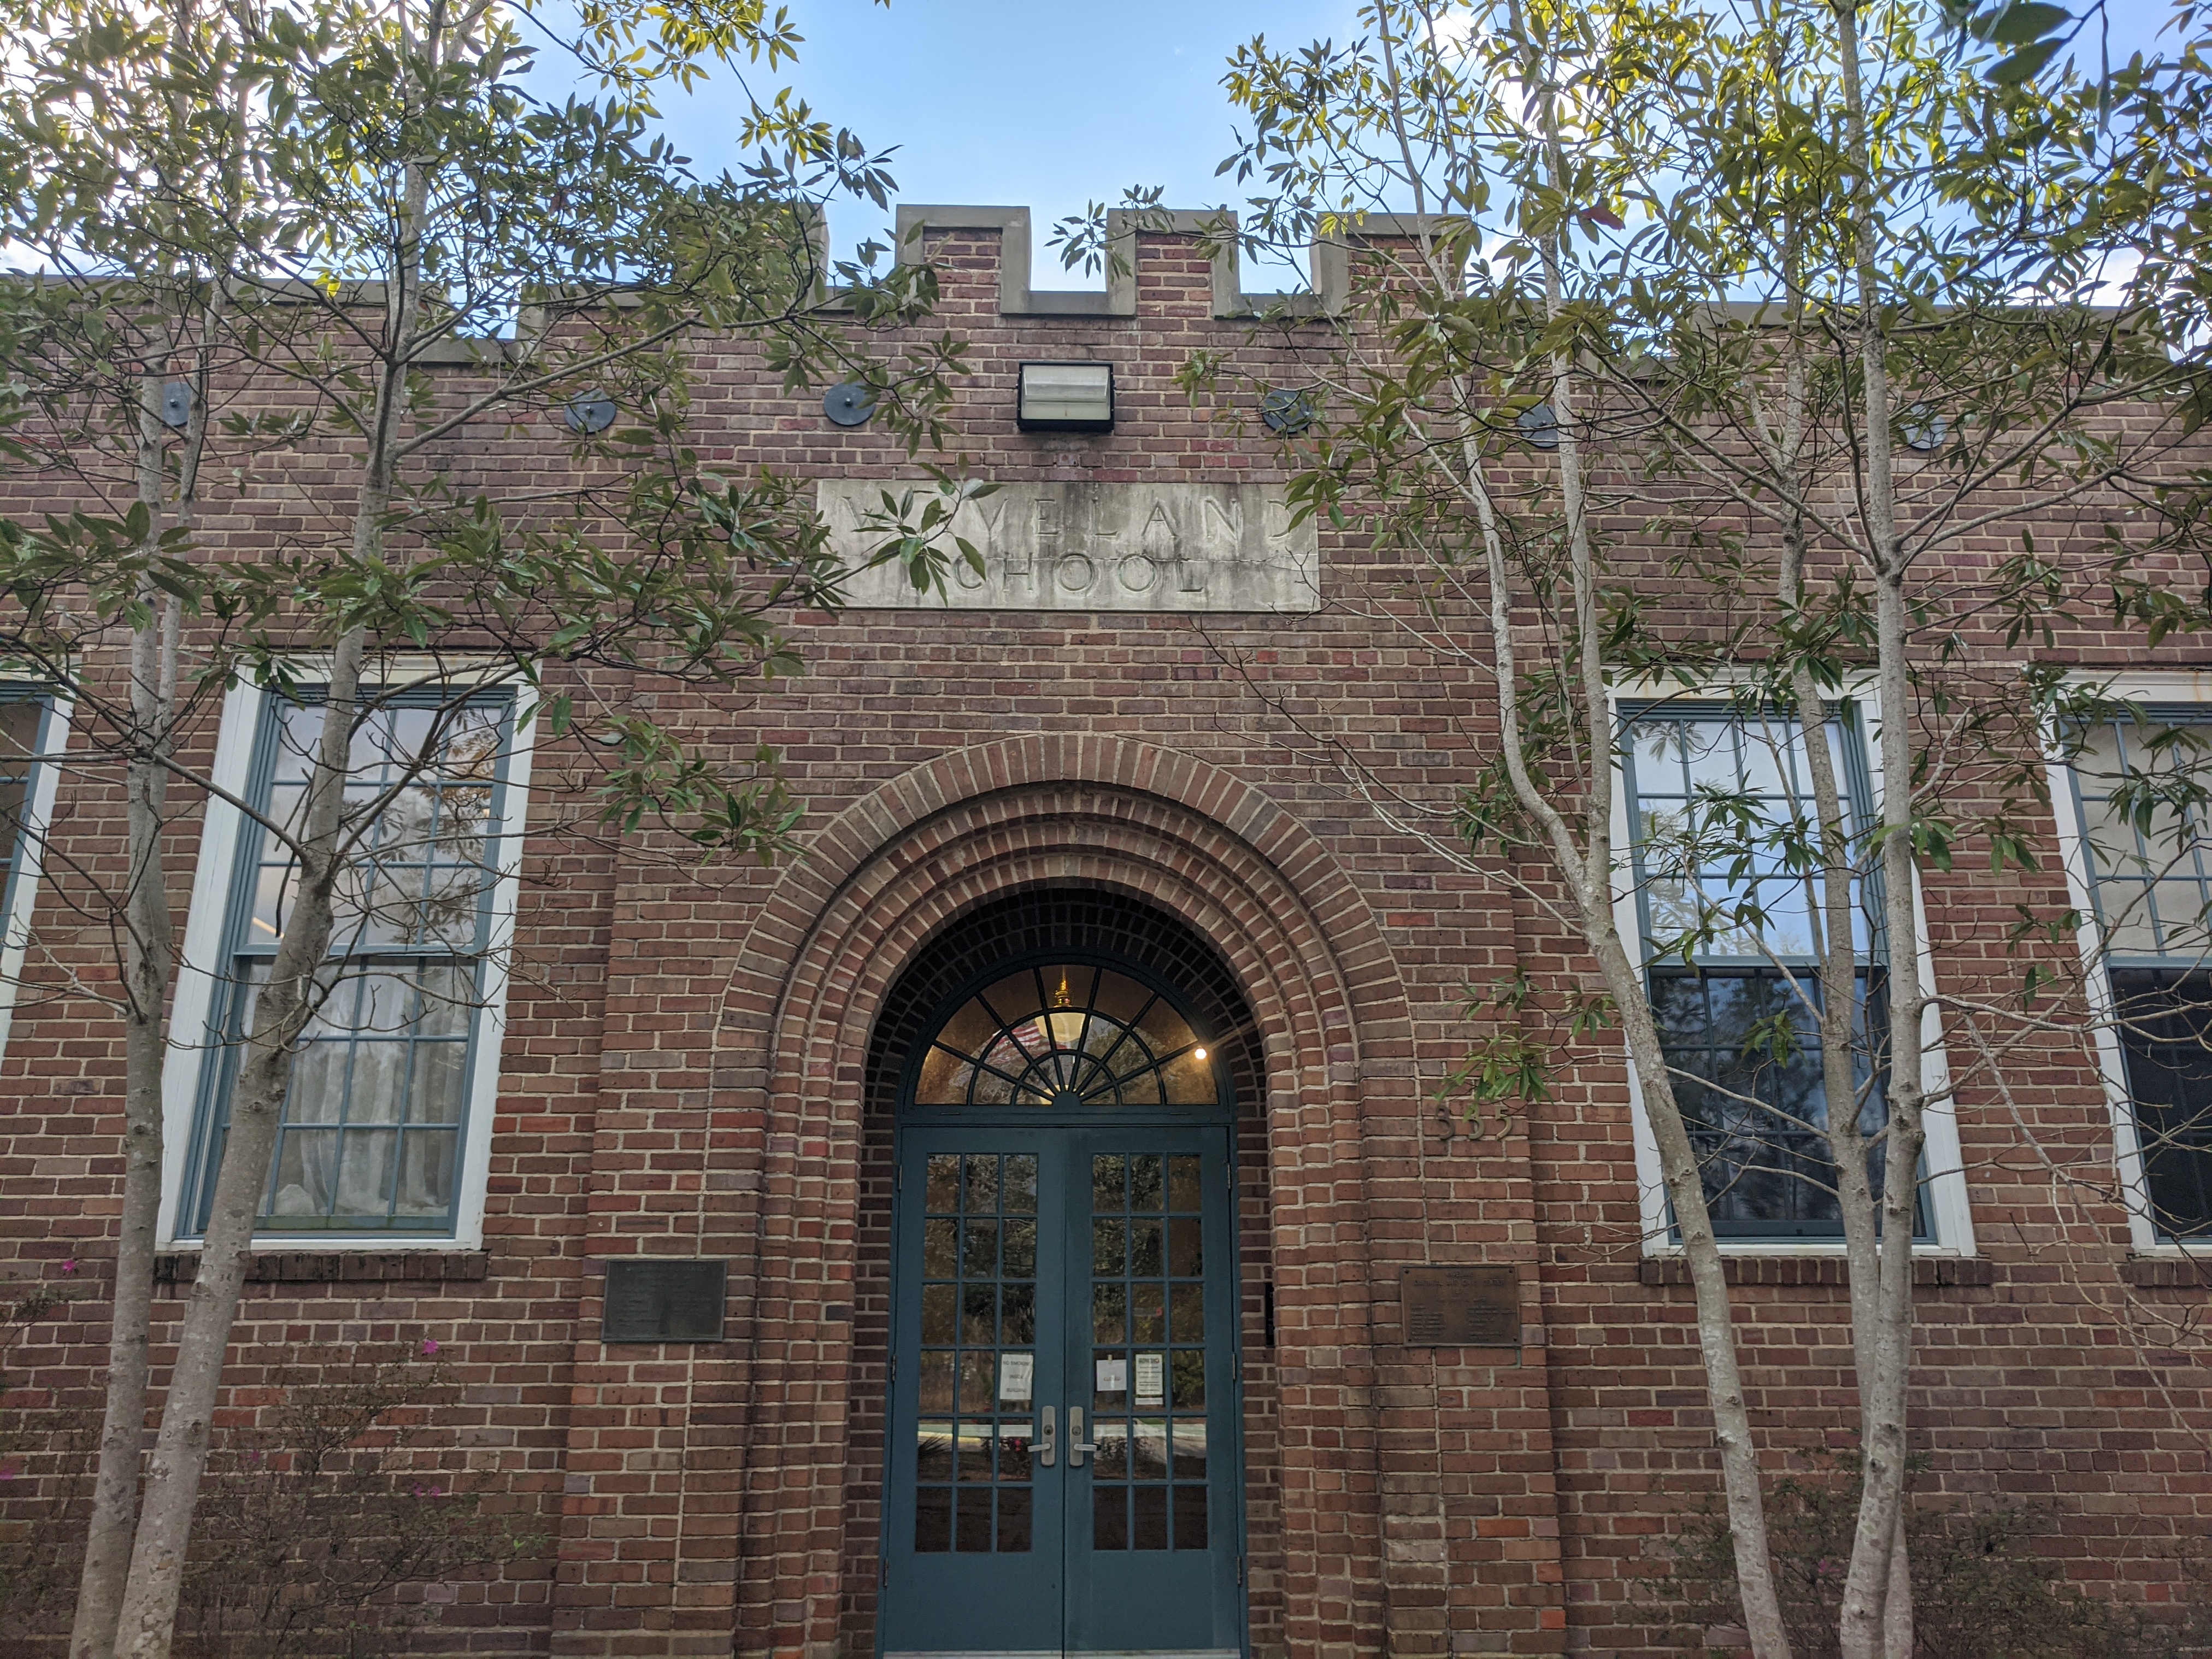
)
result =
(1164, 547)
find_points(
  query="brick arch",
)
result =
(839, 853)
(881, 880)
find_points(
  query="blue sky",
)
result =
(1026, 103)
(1049, 105)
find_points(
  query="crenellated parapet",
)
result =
(1330, 258)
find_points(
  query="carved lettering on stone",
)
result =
(1164, 547)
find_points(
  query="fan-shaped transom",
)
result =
(1062, 1036)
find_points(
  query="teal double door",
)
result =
(1065, 1473)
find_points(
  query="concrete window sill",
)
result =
(180, 1267)
(1928, 1271)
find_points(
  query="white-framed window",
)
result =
(34, 723)
(1710, 795)
(2128, 794)
(386, 1125)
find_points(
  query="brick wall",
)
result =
(685, 1074)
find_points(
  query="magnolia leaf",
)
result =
(2025, 64)
(2029, 21)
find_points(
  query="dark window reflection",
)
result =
(1745, 1047)
(2166, 1032)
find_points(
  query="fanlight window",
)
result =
(1065, 1037)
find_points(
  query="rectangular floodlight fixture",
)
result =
(1066, 398)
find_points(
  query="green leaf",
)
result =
(2029, 21)
(2024, 65)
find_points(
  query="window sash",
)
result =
(397, 1144)
(1782, 1184)
(2166, 1043)
(19, 784)
(2150, 908)
(1799, 898)
(1785, 1171)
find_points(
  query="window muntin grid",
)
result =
(1758, 1123)
(22, 727)
(1677, 762)
(2144, 843)
(2165, 1018)
(2144, 839)
(371, 1134)
(974, 1477)
(1065, 1035)
(1766, 1165)
(1148, 1327)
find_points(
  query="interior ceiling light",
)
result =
(1066, 398)
(1066, 1021)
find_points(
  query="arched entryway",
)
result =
(1069, 1336)
(1215, 887)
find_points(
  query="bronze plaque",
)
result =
(1460, 1306)
(660, 1300)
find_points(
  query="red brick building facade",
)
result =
(708, 1066)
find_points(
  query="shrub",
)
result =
(316, 1523)
(320, 1524)
(1979, 1589)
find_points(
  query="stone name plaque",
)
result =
(650, 1300)
(1460, 1306)
(1159, 547)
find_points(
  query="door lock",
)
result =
(1048, 1447)
(1077, 1446)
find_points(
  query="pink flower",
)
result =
(69, 1265)
(429, 1345)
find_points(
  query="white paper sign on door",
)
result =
(1016, 1378)
(1112, 1376)
(1151, 1379)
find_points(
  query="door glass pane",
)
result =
(1148, 1356)
(940, 1313)
(1189, 1516)
(978, 1355)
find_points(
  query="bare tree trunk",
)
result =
(1589, 870)
(1867, 1630)
(1897, 1606)
(1838, 967)
(147, 1624)
(147, 956)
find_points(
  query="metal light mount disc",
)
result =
(1924, 430)
(589, 413)
(176, 403)
(851, 403)
(1286, 411)
(1539, 425)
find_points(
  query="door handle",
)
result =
(1048, 1441)
(1077, 1446)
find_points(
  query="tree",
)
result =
(274, 221)
(1651, 298)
